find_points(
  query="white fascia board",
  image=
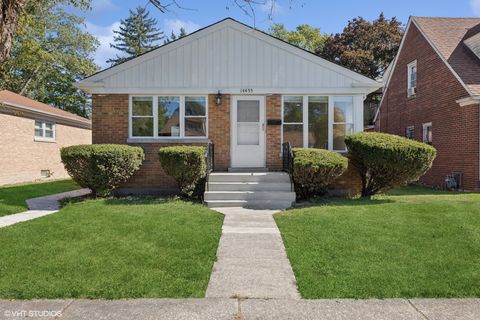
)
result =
(235, 91)
(468, 101)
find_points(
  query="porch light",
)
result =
(218, 98)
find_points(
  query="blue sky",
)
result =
(329, 16)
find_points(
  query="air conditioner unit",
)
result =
(412, 91)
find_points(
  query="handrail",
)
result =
(210, 161)
(287, 161)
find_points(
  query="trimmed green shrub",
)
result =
(186, 164)
(315, 169)
(101, 167)
(385, 161)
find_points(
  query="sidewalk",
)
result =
(251, 259)
(239, 309)
(40, 207)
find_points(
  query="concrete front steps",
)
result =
(257, 190)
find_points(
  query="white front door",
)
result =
(248, 132)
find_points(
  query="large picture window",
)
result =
(320, 122)
(168, 117)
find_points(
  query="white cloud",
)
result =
(267, 7)
(105, 37)
(170, 25)
(475, 4)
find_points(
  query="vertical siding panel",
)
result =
(187, 62)
(238, 55)
(202, 54)
(194, 65)
(216, 63)
(267, 65)
(172, 65)
(224, 58)
(180, 66)
(275, 66)
(231, 57)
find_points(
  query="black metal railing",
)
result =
(210, 160)
(287, 158)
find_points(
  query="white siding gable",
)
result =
(230, 57)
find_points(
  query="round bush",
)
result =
(186, 164)
(385, 161)
(101, 167)
(315, 169)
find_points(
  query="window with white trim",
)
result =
(168, 116)
(412, 79)
(342, 121)
(320, 122)
(427, 133)
(44, 130)
(410, 132)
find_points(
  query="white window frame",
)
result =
(340, 123)
(155, 117)
(424, 132)
(330, 117)
(44, 129)
(410, 67)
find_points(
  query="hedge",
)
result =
(315, 169)
(186, 164)
(101, 167)
(385, 161)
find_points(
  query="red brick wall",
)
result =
(455, 128)
(219, 130)
(273, 143)
(110, 125)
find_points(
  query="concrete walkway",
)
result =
(241, 309)
(251, 259)
(40, 207)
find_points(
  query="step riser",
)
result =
(277, 205)
(263, 196)
(285, 187)
(261, 179)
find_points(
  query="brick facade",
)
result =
(110, 125)
(455, 128)
(22, 158)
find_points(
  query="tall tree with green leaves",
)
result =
(10, 13)
(51, 52)
(137, 34)
(365, 47)
(304, 36)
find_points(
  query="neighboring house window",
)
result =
(412, 79)
(168, 116)
(44, 130)
(317, 121)
(410, 132)
(427, 133)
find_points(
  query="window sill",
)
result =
(44, 140)
(168, 140)
(411, 97)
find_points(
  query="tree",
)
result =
(50, 53)
(138, 34)
(10, 12)
(304, 36)
(365, 47)
(174, 37)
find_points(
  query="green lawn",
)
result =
(111, 249)
(414, 242)
(12, 198)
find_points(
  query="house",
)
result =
(233, 85)
(32, 135)
(432, 94)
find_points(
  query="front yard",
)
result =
(111, 249)
(412, 243)
(12, 198)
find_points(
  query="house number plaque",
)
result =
(246, 90)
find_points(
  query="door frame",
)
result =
(233, 126)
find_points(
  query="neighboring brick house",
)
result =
(432, 94)
(238, 87)
(32, 135)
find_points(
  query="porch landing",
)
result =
(256, 190)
